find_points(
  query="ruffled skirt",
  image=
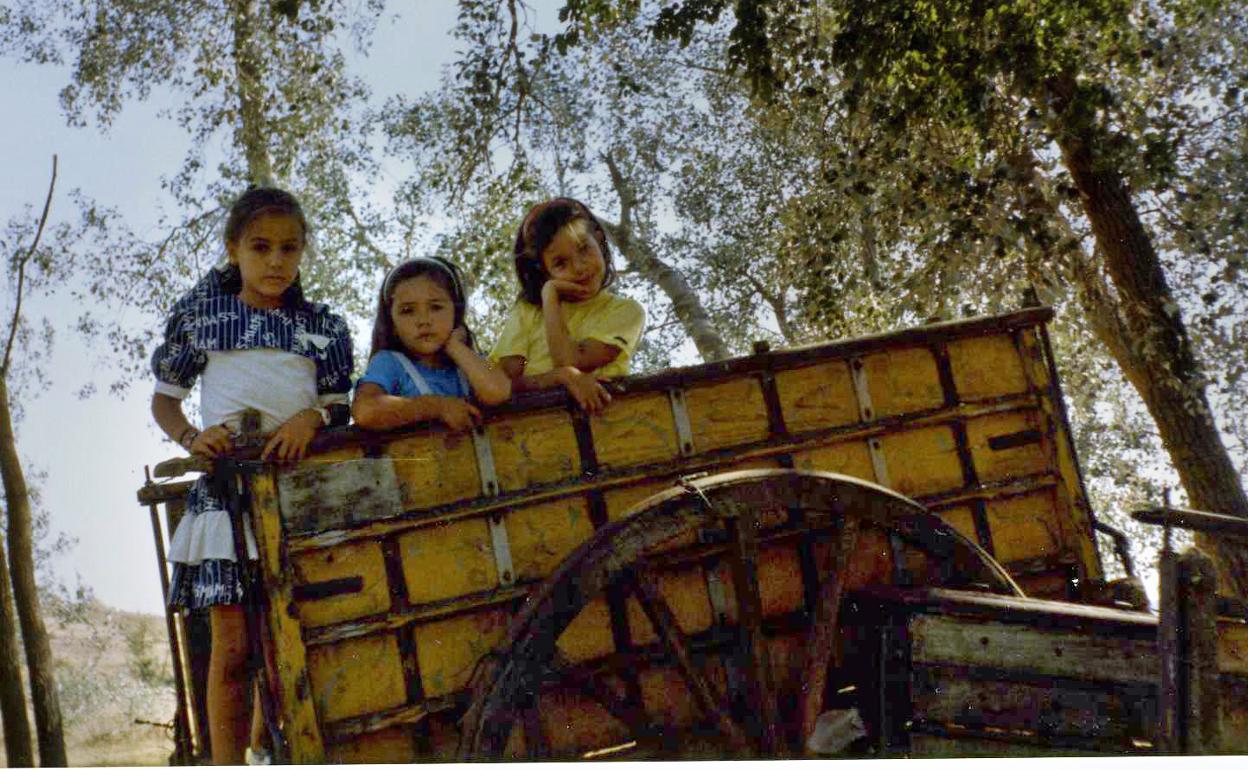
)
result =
(202, 552)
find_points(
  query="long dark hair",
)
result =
(538, 229)
(252, 204)
(441, 272)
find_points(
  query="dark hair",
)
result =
(247, 208)
(538, 229)
(441, 272)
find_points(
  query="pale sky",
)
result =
(94, 450)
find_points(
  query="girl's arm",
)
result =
(375, 409)
(586, 355)
(212, 442)
(491, 385)
(586, 390)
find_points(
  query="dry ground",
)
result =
(114, 672)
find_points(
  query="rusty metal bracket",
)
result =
(501, 544)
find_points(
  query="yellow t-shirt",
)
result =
(604, 317)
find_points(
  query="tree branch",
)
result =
(21, 275)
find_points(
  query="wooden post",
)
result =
(1188, 647)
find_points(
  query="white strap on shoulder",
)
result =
(422, 385)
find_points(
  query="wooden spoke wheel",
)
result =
(845, 531)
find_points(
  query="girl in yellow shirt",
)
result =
(565, 329)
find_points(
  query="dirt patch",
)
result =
(115, 675)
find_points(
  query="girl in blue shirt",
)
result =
(423, 365)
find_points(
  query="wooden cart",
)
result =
(891, 531)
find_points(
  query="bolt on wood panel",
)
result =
(902, 380)
(923, 461)
(446, 560)
(434, 468)
(531, 449)
(685, 593)
(635, 430)
(724, 414)
(1025, 527)
(850, 458)
(389, 746)
(820, 396)
(542, 535)
(1005, 446)
(588, 636)
(448, 649)
(353, 560)
(986, 366)
(338, 670)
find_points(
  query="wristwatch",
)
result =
(323, 412)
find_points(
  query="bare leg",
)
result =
(227, 685)
(259, 738)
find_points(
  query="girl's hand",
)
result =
(212, 442)
(458, 336)
(290, 442)
(554, 290)
(458, 414)
(586, 390)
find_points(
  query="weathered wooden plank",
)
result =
(819, 396)
(533, 449)
(354, 560)
(903, 380)
(963, 641)
(445, 561)
(320, 496)
(636, 430)
(434, 468)
(1113, 714)
(986, 366)
(1005, 446)
(292, 685)
(447, 650)
(1026, 527)
(727, 413)
(339, 672)
(923, 461)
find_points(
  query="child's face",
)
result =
(573, 255)
(423, 315)
(267, 254)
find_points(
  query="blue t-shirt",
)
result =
(388, 372)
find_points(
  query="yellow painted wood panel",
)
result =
(621, 499)
(574, 723)
(986, 366)
(434, 468)
(447, 650)
(1025, 527)
(588, 636)
(902, 380)
(635, 430)
(1233, 650)
(534, 449)
(356, 676)
(666, 697)
(814, 397)
(363, 560)
(389, 746)
(685, 593)
(541, 535)
(779, 579)
(962, 519)
(334, 456)
(923, 461)
(448, 559)
(1001, 464)
(726, 414)
(850, 458)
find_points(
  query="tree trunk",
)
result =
(685, 302)
(19, 751)
(252, 135)
(25, 592)
(1156, 355)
